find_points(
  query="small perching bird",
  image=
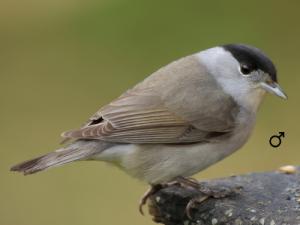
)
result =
(181, 119)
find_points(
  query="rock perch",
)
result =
(271, 198)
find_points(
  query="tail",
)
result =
(78, 150)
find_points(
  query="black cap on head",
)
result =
(253, 58)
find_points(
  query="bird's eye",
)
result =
(245, 69)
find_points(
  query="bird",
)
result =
(183, 118)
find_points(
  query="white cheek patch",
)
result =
(226, 70)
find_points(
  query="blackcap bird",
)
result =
(181, 119)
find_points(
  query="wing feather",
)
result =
(138, 124)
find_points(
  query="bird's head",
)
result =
(244, 72)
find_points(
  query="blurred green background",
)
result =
(60, 60)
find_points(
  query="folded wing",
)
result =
(141, 118)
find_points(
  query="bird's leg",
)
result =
(182, 181)
(205, 192)
(188, 182)
(151, 191)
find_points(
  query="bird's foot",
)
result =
(153, 190)
(205, 193)
(182, 181)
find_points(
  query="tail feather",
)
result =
(78, 150)
(27, 166)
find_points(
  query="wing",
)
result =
(134, 118)
(144, 119)
(151, 112)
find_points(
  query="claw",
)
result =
(191, 204)
(143, 201)
(151, 191)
